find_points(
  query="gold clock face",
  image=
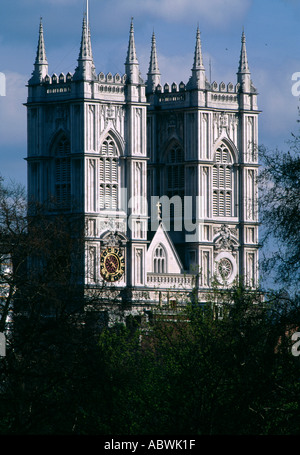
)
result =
(112, 264)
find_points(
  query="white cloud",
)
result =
(12, 111)
(176, 69)
(215, 12)
(279, 107)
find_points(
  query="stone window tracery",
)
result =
(63, 173)
(223, 183)
(175, 177)
(175, 171)
(159, 260)
(108, 174)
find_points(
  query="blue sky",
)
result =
(272, 29)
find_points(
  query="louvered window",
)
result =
(175, 171)
(223, 183)
(175, 179)
(108, 175)
(63, 174)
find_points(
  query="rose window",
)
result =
(225, 268)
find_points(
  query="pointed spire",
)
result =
(85, 46)
(132, 64)
(153, 66)
(131, 54)
(243, 75)
(90, 43)
(86, 68)
(198, 79)
(41, 52)
(153, 72)
(198, 60)
(41, 63)
(243, 65)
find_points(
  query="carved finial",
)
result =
(132, 64)
(41, 52)
(198, 60)
(153, 66)
(131, 55)
(198, 78)
(153, 79)
(86, 67)
(243, 66)
(41, 63)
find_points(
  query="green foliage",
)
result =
(222, 368)
(280, 211)
(186, 372)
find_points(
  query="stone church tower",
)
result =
(202, 146)
(163, 177)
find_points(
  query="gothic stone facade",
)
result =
(164, 177)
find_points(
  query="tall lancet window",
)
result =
(175, 171)
(109, 174)
(174, 180)
(159, 260)
(223, 183)
(63, 173)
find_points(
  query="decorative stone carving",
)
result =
(113, 239)
(110, 112)
(225, 268)
(112, 225)
(223, 120)
(225, 240)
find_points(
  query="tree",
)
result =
(52, 358)
(190, 370)
(13, 228)
(43, 336)
(280, 211)
(198, 374)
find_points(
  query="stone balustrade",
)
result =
(170, 281)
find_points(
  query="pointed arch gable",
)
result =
(56, 137)
(116, 137)
(173, 262)
(224, 140)
(172, 142)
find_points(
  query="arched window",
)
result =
(175, 171)
(159, 260)
(63, 173)
(109, 174)
(223, 183)
(174, 180)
